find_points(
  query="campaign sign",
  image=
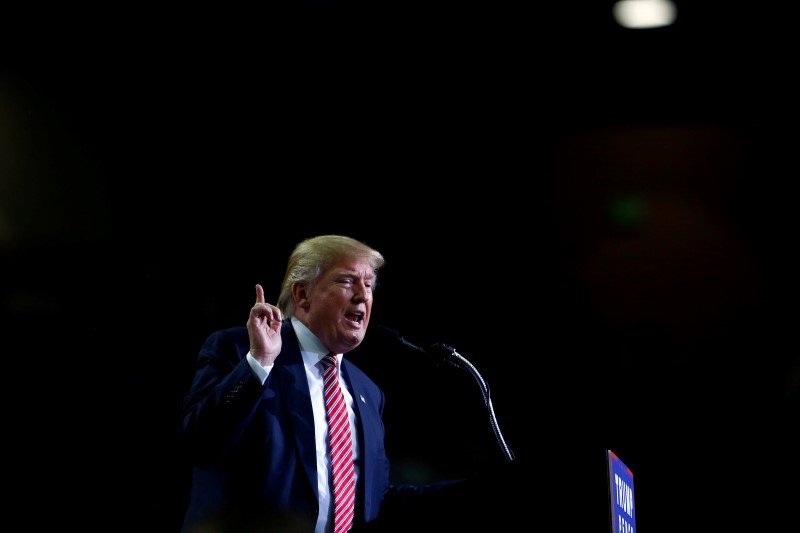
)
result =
(621, 502)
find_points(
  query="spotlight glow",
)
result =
(642, 14)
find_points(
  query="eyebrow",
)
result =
(352, 273)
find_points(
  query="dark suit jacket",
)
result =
(252, 446)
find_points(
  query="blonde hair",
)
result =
(312, 256)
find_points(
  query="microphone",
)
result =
(439, 351)
(395, 335)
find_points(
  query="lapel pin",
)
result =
(362, 398)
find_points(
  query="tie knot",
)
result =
(329, 360)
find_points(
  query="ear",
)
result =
(300, 295)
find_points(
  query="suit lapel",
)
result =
(293, 384)
(369, 421)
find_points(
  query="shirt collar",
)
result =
(311, 347)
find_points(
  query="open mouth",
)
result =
(354, 317)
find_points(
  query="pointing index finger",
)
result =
(259, 294)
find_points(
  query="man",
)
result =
(255, 424)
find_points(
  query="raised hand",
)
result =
(264, 329)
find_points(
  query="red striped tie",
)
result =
(341, 448)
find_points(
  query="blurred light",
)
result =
(639, 14)
(627, 211)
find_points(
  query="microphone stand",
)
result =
(458, 360)
(451, 356)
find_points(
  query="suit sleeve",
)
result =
(222, 399)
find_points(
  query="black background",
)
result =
(158, 163)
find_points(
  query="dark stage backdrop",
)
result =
(599, 220)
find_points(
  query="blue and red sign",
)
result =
(623, 510)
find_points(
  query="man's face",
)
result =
(337, 308)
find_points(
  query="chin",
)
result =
(356, 339)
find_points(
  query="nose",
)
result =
(361, 293)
